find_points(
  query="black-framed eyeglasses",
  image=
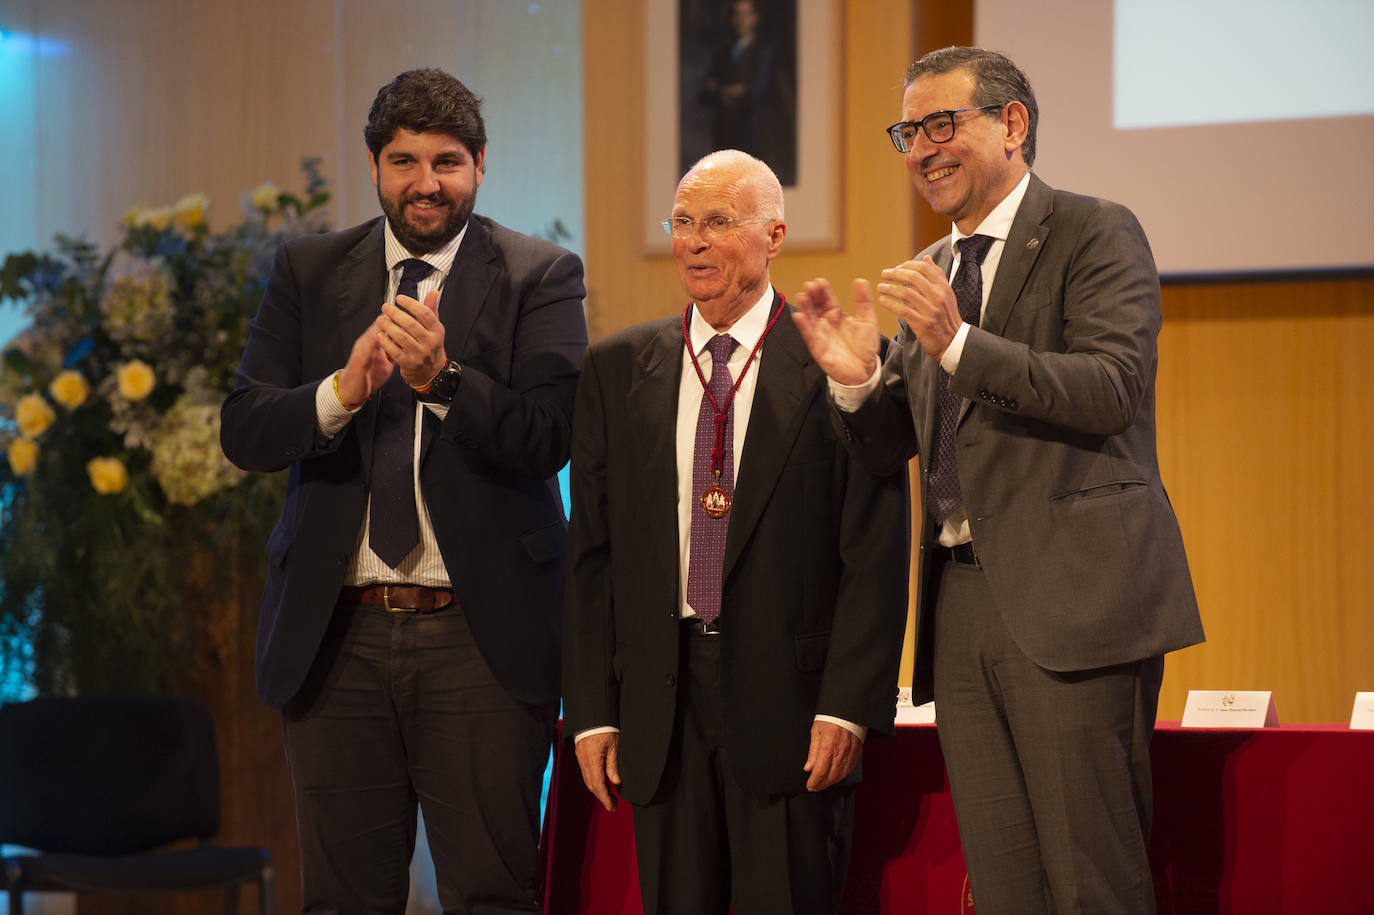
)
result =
(711, 226)
(939, 127)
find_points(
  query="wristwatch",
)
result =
(442, 386)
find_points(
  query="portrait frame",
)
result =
(813, 197)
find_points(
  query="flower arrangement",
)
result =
(118, 511)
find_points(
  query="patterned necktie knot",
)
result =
(975, 247)
(720, 347)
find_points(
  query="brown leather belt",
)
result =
(400, 598)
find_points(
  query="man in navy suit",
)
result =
(731, 637)
(416, 375)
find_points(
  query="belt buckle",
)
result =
(386, 602)
(701, 627)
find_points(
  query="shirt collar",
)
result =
(997, 224)
(746, 331)
(441, 260)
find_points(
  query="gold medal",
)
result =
(715, 501)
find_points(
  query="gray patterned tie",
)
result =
(706, 556)
(394, 526)
(942, 489)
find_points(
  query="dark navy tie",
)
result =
(942, 489)
(394, 528)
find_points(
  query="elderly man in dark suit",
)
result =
(736, 590)
(416, 374)
(1052, 575)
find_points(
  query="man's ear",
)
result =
(776, 233)
(1015, 126)
(372, 166)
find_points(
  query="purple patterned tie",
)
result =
(706, 555)
(394, 526)
(942, 489)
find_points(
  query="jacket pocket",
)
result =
(1112, 488)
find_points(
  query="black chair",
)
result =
(95, 784)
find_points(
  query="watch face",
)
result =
(444, 386)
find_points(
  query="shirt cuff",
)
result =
(330, 415)
(850, 397)
(949, 360)
(606, 729)
(857, 730)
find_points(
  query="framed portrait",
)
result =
(763, 76)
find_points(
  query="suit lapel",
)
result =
(651, 404)
(780, 404)
(362, 284)
(1024, 243)
(653, 392)
(466, 289)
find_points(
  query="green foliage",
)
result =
(107, 570)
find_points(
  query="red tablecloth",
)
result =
(1273, 821)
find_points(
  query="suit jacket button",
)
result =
(670, 680)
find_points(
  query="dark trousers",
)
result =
(1049, 771)
(704, 842)
(400, 709)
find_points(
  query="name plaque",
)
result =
(1362, 715)
(1230, 708)
(913, 714)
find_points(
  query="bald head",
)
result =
(756, 182)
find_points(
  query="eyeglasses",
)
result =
(711, 226)
(939, 127)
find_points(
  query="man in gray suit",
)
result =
(1052, 572)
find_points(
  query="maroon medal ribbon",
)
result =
(715, 501)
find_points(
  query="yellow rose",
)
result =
(107, 475)
(158, 217)
(33, 415)
(189, 211)
(264, 196)
(135, 216)
(136, 380)
(69, 389)
(23, 455)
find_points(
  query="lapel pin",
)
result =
(1032, 244)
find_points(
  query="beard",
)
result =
(420, 239)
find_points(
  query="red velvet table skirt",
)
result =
(1273, 821)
